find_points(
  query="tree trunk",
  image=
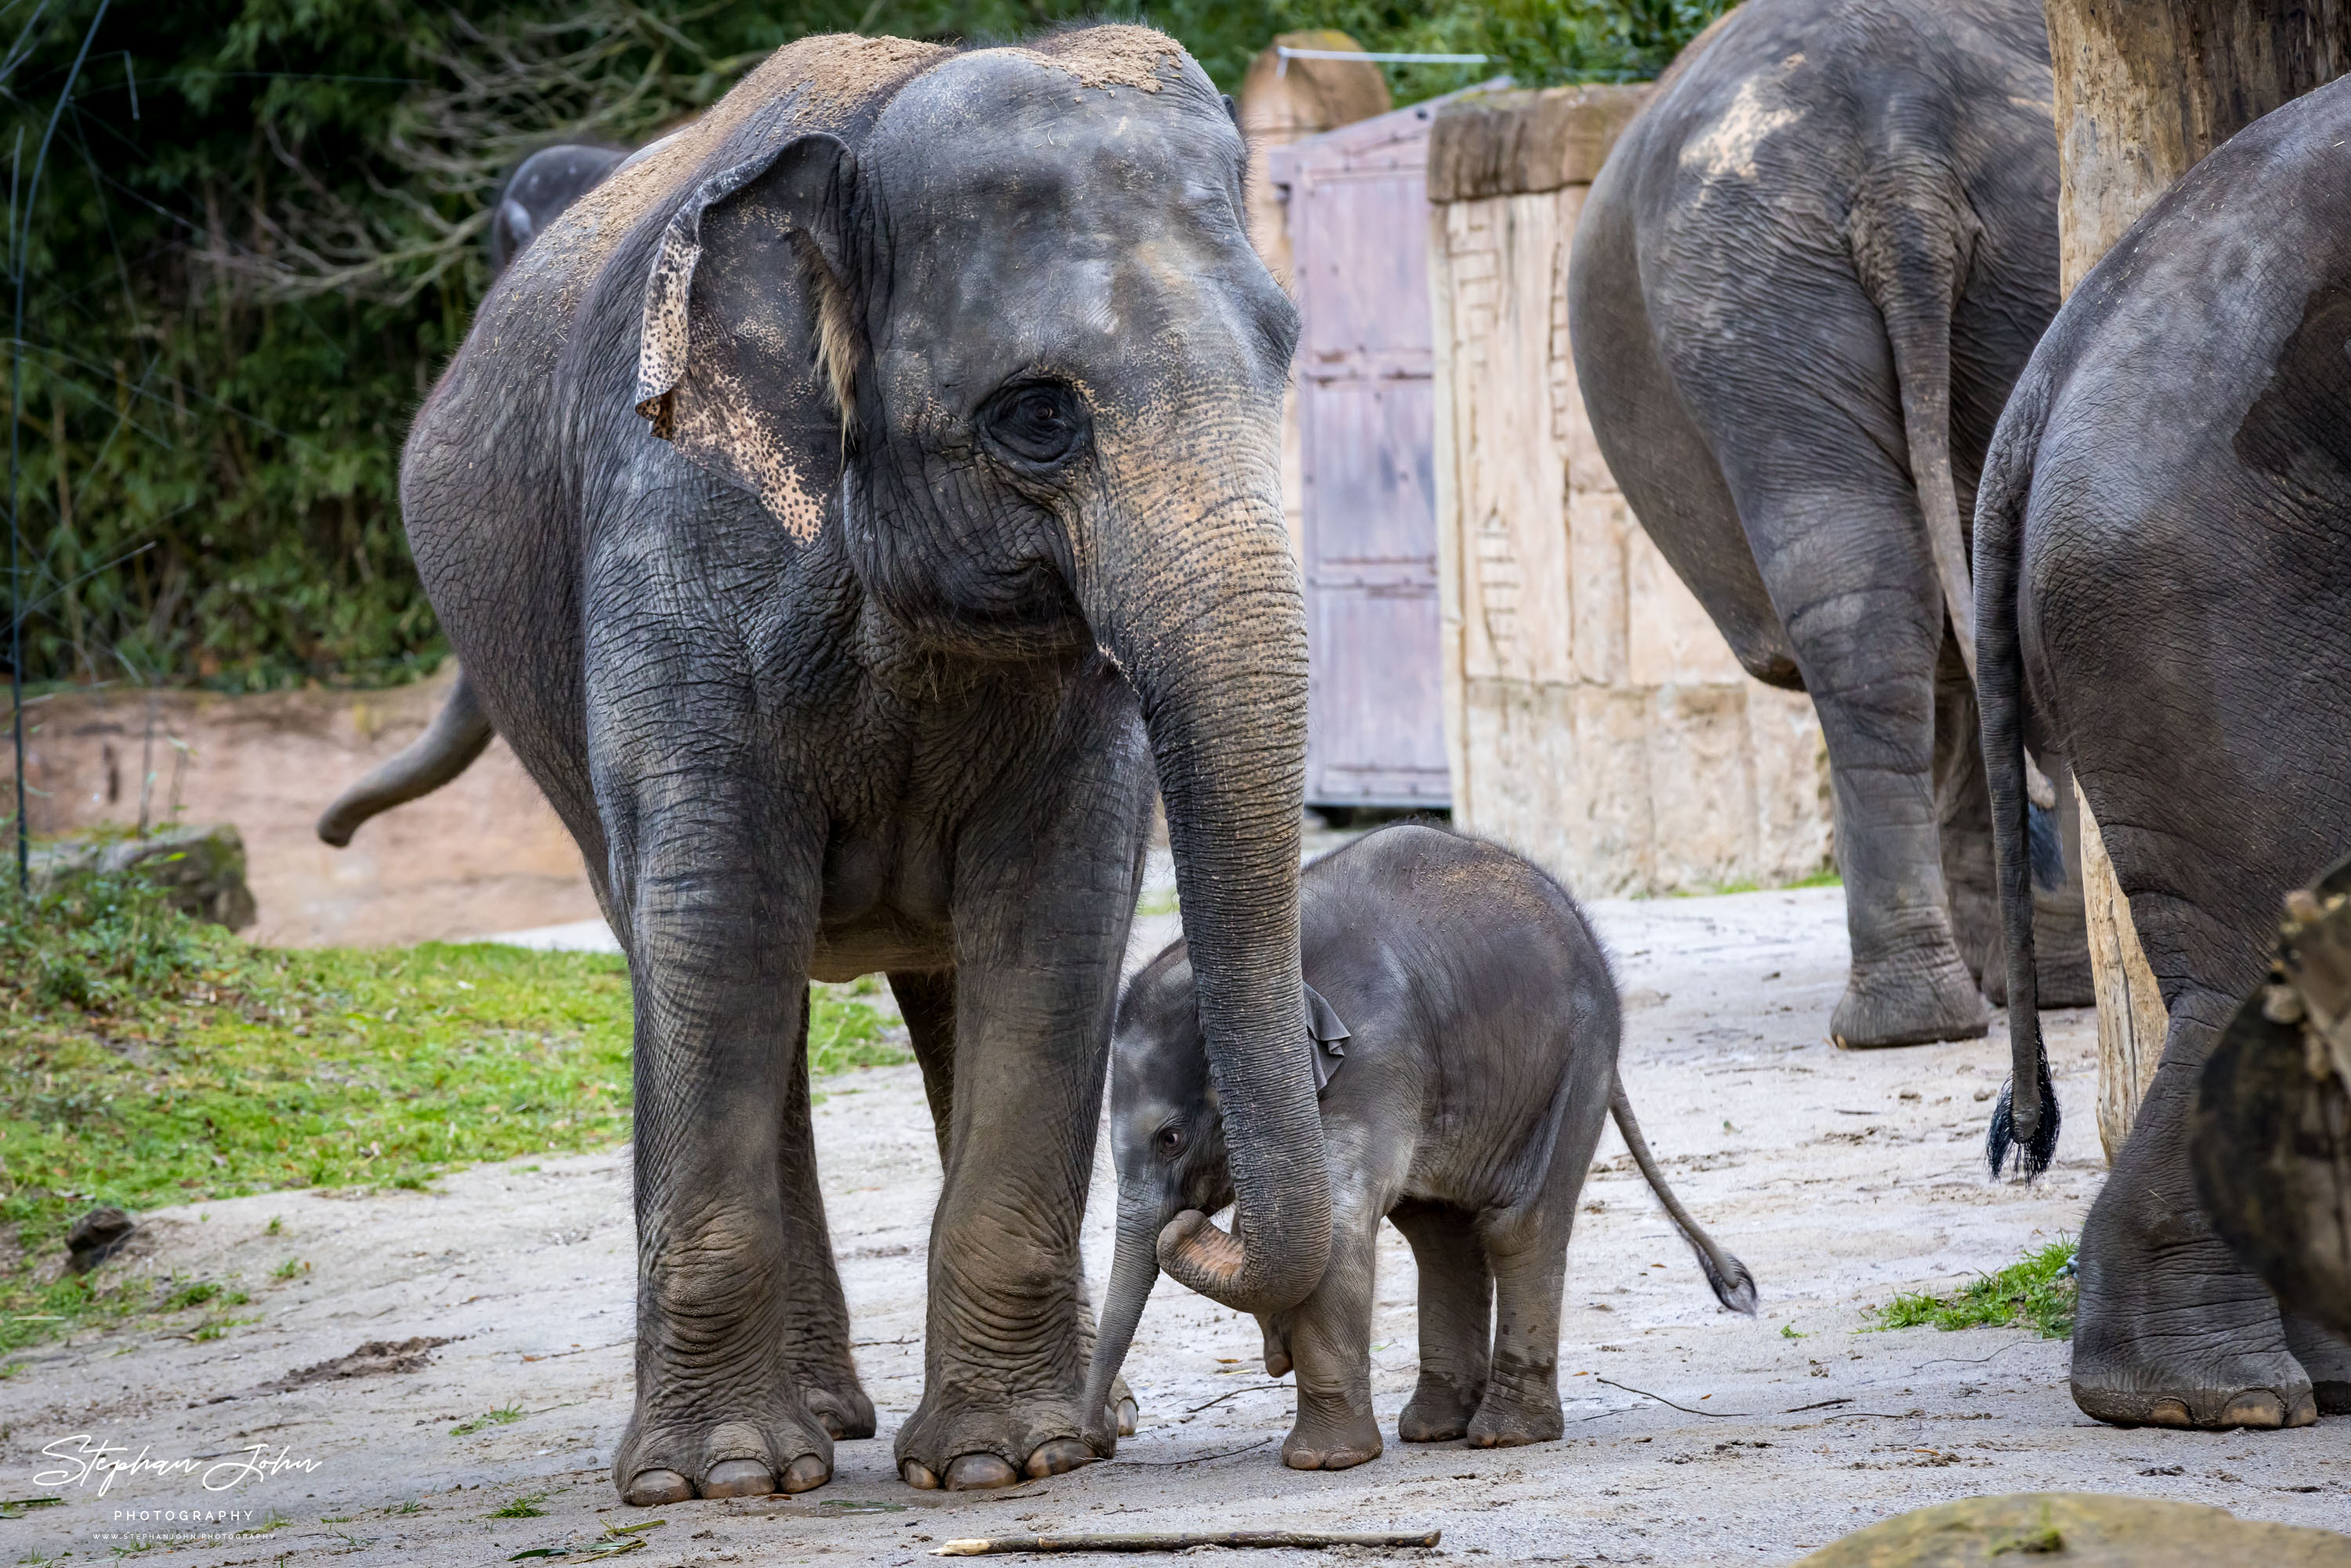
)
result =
(2145, 88)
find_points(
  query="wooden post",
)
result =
(2145, 88)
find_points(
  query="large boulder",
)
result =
(199, 869)
(2079, 1529)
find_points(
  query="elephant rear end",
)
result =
(2165, 547)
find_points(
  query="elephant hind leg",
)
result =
(2171, 1330)
(816, 1318)
(927, 1003)
(1527, 1249)
(1457, 1311)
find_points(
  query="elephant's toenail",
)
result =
(2259, 1409)
(657, 1489)
(738, 1477)
(979, 1472)
(833, 1426)
(2167, 1412)
(918, 1474)
(1058, 1457)
(1128, 1414)
(806, 1473)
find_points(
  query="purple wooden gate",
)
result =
(1358, 217)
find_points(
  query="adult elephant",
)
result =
(1800, 289)
(846, 510)
(2163, 552)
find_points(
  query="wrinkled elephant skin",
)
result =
(1799, 291)
(1467, 1032)
(2163, 552)
(848, 510)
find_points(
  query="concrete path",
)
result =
(1695, 1437)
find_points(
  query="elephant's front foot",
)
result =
(1439, 1410)
(1911, 1003)
(673, 1452)
(720, 1412)
(1332, 1440)
(963, 1444)
(1511, 1417)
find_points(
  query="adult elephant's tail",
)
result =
(1911, 261)
(458, 734)
(2026, 1116)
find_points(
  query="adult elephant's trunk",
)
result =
(1195, 592)
(1133, 1269)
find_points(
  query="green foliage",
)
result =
(199, 1066)
(257, 236)
(2036, 1293)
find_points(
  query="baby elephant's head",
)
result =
(1168, 1140)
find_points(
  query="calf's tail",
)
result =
(1733, 1286)
(458, 734)
(2026, 1117)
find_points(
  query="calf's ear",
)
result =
(749, 358)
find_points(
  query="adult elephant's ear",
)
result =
(750, 350)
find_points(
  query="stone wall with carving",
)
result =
(1595, 716)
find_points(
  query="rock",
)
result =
(95, 1236)
(2079, 1529)
(199, 869)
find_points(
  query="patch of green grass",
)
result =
(2036, 1293)
(194, 1295)
(501, 1417)
(1826, 877)
(149, 1060)
(1788, 1330)
(523, 1506)
(289, 1269)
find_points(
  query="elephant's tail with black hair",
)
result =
(458, 734)
(1733, 1286)
(2026, 1117)
(1911, 264)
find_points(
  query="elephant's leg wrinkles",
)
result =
(1527, 1249)
(2171, 1328)
(1008, 1336)
(816, 1314)
(1456, 1308)
(1867, 620)
(735, 1296)
(1330, 1338)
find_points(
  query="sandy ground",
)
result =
(1840, 1177)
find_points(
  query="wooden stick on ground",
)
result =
(1179, 1540)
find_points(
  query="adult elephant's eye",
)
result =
(1170, 1140)
(1038, 423)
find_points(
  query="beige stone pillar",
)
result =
(1594, 718)
(2145, 88)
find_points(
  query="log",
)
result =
(2271, 1142)
(2132, 1019)
(2144, 89)
(1184, 1540)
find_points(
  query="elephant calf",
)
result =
(1461, 1099)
